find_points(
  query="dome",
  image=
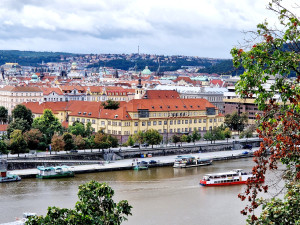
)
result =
(146, 71)
(34, 77)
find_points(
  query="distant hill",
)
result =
(29, 58)
(124, 62)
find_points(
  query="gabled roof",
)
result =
(21, 89)
(49, 90)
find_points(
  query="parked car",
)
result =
(135, 146)
(73, 151)
(152, 162)
(145, 145)
(247, 146)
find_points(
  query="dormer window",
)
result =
(84, 113)
(176, 106)
(168, 106)
(79, 113)
(191, 106)
(184, 106)
(152, 107)
(160, 106)
(90, 113)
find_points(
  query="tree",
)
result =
(208, 136)
(95, 206)
(130, 141)
(33, 137)
(153, 137)
(235, 121)
(139, 137)
(196, 136)
(77, 128)
(69, 141)
(3, 147)
(21, 112)
(227, 133)
(175, 139)
(17, 142)
(88, 130)
(3, 115)
(274, 53)
(57, 143)
(113, 141)
(183, 138)
(101, 141)
(218, 134)
(48, 124)
(79, 142)
(110, 104)
(18, 124)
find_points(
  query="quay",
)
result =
(127, 164)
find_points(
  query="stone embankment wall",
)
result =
(107, 155)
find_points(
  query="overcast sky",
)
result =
(205, 28)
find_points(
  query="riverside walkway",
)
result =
(124, 164)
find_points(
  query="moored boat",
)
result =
(54, 172)
(237, 176)
(6, 177)
(190, 161)
(141, 166)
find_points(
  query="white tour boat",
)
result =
(233, 177)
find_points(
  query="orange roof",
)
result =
(47, 90)
(157, 94)
(21, 89)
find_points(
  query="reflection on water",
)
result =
(162, 195)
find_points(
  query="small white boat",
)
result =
(54, 172)
(6, 177)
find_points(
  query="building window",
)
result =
(93, 121)
(83, 120)
(73, 119)
(165, 122)
(102, 123)
(159, 123)
(178, 122)
(186, 121)
(149, 123)
(204, 128)
(136, 124)
(215, 120)
(143, 124)
(154, 123)
(210, 120)
(204, 120)
(178, 130)
(191, 121)
(185, 129)
(171, 122)
(159, 130)
(199, 128)
(195, 120)
(171, 131)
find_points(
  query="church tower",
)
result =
(139, 91)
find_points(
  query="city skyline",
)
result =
(192, 28)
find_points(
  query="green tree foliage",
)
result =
(3, 115)
(18, 124)
(175, 139)
(196, 136)
(77, 128)
(3, 147)
(17, 142)
(275, 54)
(139, 137)
(235, 121)
(88, 129)
(130, 141)
(95, 206)
(33, 137)
(183, 138)
(69, 141)
(47, 124)
(21, 112)
(208, 136)
(113, 141)
(152, 137)
(227, 133)
(101, 141)
(110, 104)
(57, 143)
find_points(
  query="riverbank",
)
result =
(126, 164)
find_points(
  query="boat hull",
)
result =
(223, 184)
(193, 165)
(6, 179)
(55, 176)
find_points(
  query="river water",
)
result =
(162, 195)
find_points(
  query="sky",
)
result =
(204, 28)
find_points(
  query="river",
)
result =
(159, 195)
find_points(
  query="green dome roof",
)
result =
(146, 71)
(34, 76)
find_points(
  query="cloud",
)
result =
(190, 27)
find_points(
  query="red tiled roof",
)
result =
(21, 89)
(47, 90)
(158, 94)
